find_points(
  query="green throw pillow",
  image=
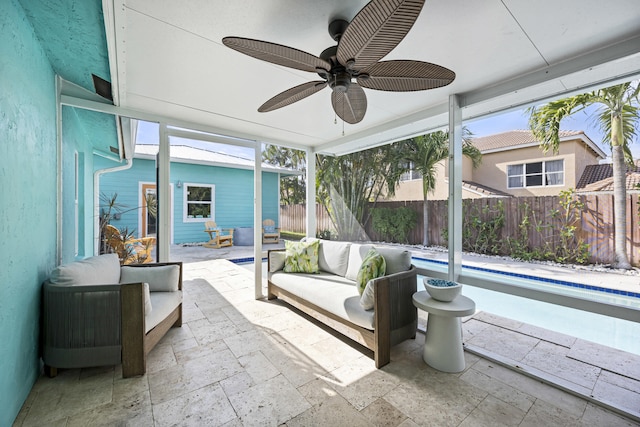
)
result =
(373, 266)
(301, 257)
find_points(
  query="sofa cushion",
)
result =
(357, 252)
(301, 257)
(373, 266)
(367, 299)
(333, 256)
(97, 270)
(161, 278)
(332, 293)
(397, 260)
(163, 304)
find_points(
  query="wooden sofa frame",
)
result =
(394, 320)
(129, 346)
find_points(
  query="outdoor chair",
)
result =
(270, 233)
(129, 250)
(218, 237)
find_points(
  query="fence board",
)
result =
(595, 224)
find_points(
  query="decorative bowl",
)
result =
(442, 290)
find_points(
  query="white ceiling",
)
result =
(168, 60)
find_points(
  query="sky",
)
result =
(515, 120)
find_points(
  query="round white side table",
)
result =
(443, 342)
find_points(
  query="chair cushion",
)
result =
(163, 304)
(270, 229)
(162, 278)
(97, 270)
(301, 257)
(373, 266)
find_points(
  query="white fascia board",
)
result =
(265, 168)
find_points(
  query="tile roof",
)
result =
(483, 189)
(593, 174)
(513, 139)
(606, 185)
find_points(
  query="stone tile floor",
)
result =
(241, 362)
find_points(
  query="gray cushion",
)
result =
(97, 270)
(276, 260)
(357, 252)
(397, 259)
(162, 278)
(333, 256)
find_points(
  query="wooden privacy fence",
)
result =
(594, 224)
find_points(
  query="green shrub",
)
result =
(394, 225)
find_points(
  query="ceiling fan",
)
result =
(354, 62)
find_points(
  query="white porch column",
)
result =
(311, 192)
(455, 187)
(257, 220)
(164, 196)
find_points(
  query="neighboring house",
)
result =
(205, 186)
(598, 179)
(513, 164)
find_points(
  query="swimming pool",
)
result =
(605, 330)
(612, 332)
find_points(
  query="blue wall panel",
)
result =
(27, 201)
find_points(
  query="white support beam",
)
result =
(257, 221)
(455, 188)
(164, 195)
(311, 192)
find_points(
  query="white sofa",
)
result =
(331, 295)
(96, 313)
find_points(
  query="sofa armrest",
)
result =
(393, 299)
(81, 325)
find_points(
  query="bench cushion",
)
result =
(332, 293)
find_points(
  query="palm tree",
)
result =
(618, 116)
(425, 152)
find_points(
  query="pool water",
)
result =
(616, 333)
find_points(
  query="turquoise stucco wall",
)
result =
(233, 195)
(27, 201)
(76, 139)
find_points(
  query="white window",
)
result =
(199, 202)
(536, 174)
(411, 174)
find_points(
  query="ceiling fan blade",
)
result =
(292, 95)
(351, 105)
(376, 30)
(277, 54)
(405, 76)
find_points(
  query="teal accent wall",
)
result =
(27, 201)
(233, 195)
(76, 138)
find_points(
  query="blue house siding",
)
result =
(233, 197)
(27, 202)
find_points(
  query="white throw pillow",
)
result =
(163, 278)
